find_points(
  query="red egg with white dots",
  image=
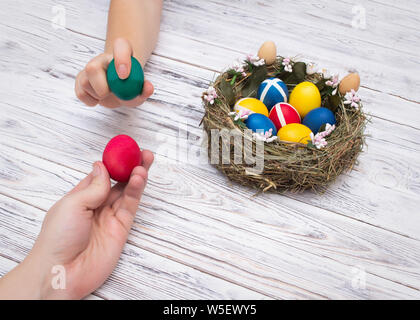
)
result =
(121, 155)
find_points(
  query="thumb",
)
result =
(97, 191)
(122, 57)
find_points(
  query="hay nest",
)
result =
(287, 166)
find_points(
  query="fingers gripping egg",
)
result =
(126, 89)
(121, 155)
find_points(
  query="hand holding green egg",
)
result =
(129, 88)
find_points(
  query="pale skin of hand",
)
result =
(133, 28)
(84, 233)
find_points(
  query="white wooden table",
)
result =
(196, 236)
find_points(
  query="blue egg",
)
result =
(318, 117)
(272, 91)
(258, 122)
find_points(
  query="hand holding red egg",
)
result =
(121, 155)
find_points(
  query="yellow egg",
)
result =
(268, 52)
(251, 105)
(305, 97)
(350, 81)
(295, 132)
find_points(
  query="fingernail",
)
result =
(96, 170)
(122, 70)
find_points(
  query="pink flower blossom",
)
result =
(241, 114)
(210, 94)
(318, 140)
(238, 67)
(311, 68)
(333, 82)
(353, 99)
(287, 63)
(255, 60)
(266, 136)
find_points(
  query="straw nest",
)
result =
(287, 166)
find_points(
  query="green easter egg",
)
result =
(126, 89)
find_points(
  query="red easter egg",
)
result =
(282, 114)
(121, 155)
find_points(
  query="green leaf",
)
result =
(282, 75)
(320, 84)
(299, 71)
(297, 75)
(254, 80)
(310, 144)
(322, 127)
(240, 123)
(333, 102)
(227, 91)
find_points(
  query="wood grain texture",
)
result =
(138, 275)
(326, 27)
(260, 249)
(144, 123)
(197, 236)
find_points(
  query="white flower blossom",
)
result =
(326, 74)
(241, 114)
(333, 82)
(287, 63)
(255, 60)
(210, 94)
(318, 140)
(238, 67)
(352, 98)
(311, 68)
(266, 136)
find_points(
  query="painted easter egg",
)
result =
(272, 91)
(295, 132)
(268, 52)
(129, 88)
(282, 114)
(121, 155)
(258, 122)
(350, 81)
(250, 105)
(305, 97)
(318, 117)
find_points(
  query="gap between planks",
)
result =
(286, 195)
(133, 243)
(208, 272)
(298, 249)
(218, 71)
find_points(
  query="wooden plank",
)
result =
(329, 38)
(181, 93)
(157, 126)
(240, 239)
(332, 41)
(190, 82)
(139, 274)
(61, 61)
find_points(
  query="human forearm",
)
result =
(28, 281)
(138, 22)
